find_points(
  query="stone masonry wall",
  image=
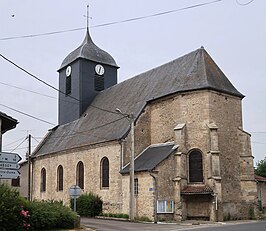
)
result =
(91, 158)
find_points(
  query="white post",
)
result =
(0, 135)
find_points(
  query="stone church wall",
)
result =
(224, 172)
(91, 158)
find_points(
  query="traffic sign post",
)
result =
(9, 174)
(9, 165)
(74, 192)
(4, 165)
(10, 157)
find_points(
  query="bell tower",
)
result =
(84, 73)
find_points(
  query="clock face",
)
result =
(99, 69)
(68, 71)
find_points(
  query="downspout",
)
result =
(155, 197)
(122, 150)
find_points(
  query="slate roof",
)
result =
(88, 50)
(196, 189)
(8, 122)
(151, 157)
(194, 71)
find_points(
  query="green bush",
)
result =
(89, 205)
(51, 214)
(143, 218)
(117, 215)
(251, 213)
(11, 205)
(39, 214)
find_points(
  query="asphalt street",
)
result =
(113, 225)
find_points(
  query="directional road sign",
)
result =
(9, 174)
(4, 165)
(9, 157)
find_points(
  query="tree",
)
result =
(260, 169)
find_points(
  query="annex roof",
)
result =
(88, 50)
(8, 122)
(100, 123)
(196, 189)
(151, 157)
(260, 178)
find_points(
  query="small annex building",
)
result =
(193, 158)
(261, 187)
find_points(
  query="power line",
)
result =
(49, 85)
(75, 133)
(157, 14)
(244, 4)
(18, 145)
(258, 142)
(34, 76)
(35, 92)
(41, 34)
(35, 139)
(24, 89)
(113, 23)
(23, 113)
(14, 141)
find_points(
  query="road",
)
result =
(113, 225)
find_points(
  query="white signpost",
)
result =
(9, 174)
(74, 192)
(9, 165)
(10, 157)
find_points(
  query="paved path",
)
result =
(114, 225)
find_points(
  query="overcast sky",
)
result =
(232, 34)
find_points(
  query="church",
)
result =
(182, 121)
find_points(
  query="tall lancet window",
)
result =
(43, 180)
(60, 178)
(105, 172)
(80, 175)
(195, 167)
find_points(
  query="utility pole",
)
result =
(29, 168)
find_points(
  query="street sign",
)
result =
(75, 191)
(4, 165)
(9, 174)
(9, 157)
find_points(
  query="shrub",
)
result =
(51, 214)
(251, 214)
(143, 218)
(11, 205)
(89, 205)
(116, 215)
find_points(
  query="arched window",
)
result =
(43, 180)
(80, 175)
(195, 167)
(105, 172)
(60, 178)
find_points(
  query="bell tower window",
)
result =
(68, 85)
(98, 83)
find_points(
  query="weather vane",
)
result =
(88, 16)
